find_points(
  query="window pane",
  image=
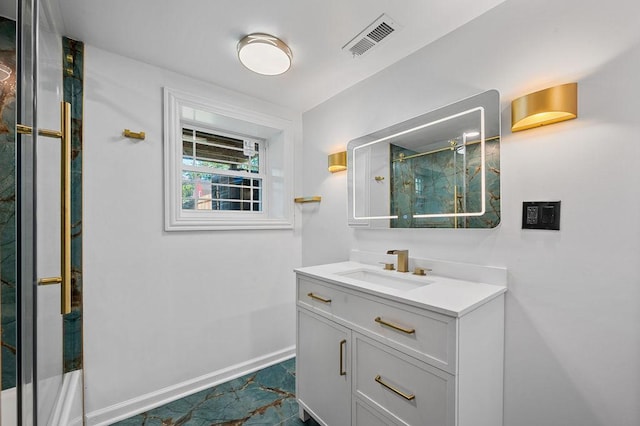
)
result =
(221, 152)
(187, 153)
(208, 191)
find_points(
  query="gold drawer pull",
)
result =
(395, 327)
(321, 299)
(409, 397)
(343, 372)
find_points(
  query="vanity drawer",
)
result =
(413, 392)
(314, 295)
(428, 336)
(364, 415)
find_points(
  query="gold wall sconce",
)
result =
(548, 106)
(338, 162)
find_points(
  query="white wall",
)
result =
(163, 308)
(573, 306)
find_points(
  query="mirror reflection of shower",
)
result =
(459, 147)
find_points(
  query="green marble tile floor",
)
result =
(263, 398)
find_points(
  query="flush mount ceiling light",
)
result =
(264, 54)
(548, 106)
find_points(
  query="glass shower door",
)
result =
(42, 216)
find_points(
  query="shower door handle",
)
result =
(65, 204)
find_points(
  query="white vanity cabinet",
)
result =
(367, 358)
(325, 384)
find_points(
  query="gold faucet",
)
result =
(403, 259)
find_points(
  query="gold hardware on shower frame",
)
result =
(394, 326)
(455, 206)
(133, 135)
(65, 203)
(27, 130)
(50, 280)
(402, 157)
(343, 372)
(408, 397)
(319, 298)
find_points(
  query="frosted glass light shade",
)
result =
(264, 54)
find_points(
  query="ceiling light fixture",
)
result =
(264, 54)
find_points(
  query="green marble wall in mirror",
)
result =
(438, 170)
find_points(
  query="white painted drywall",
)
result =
(163, 308)
(573, 306)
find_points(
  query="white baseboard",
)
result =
(129, 408)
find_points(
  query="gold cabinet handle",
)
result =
(343, 343)
(408, 397)
(319, 298)
(394, 326)
(65, 204)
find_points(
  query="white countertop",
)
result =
(446, 295)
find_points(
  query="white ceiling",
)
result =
(198, 37)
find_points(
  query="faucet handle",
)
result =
(388, 266)
(421, 271)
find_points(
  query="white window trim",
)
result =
(177, 219)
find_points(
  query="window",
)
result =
(221, 172)
(225, 168)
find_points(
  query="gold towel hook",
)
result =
(133, 135)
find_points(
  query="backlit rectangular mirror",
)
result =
(438, 170)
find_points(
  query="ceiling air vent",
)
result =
(371, 36)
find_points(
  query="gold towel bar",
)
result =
(314, 199)
(133, 135)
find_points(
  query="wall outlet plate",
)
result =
(541, 215)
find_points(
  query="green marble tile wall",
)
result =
(73, 80)
(426, 185)
(8, 202)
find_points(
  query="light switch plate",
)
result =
(541, 215)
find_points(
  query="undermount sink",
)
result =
(386, 278)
